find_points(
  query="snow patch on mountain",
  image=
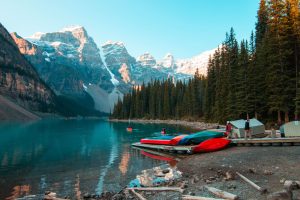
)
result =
(189, 66)
(36, 36)
(146, 60)
(168, 61)
(71, 28)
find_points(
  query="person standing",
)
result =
(247, 129)
(228, 129)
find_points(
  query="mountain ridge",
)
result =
(72, 63)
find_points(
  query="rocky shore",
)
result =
(275, 169)
(197, 125)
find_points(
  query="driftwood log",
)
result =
(189, 197)
(221, 193)
(139, 196)
(176, 189)
(262, 190)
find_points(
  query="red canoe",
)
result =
(213, 144)
(176, 140)
(161, 140)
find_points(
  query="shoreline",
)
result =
(197, 125)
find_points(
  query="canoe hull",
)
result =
(199, 137)
(211, 145)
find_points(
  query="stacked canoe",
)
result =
(205, 141)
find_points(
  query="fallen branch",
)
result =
(221, 193)
(189, 197)
(262, 190)
(137, 194)
(176, 189)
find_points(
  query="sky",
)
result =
(184, 28)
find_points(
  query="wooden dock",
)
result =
(292, 141)
(267, 141)
(172, 149)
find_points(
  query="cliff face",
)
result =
(19, 80)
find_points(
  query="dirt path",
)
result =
(11, 111)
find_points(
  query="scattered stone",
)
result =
(280, 195)
(231, 186)
(196, 179)
(290, 185)
(160, 175)
(208, 181)
(183, 185)
(252, 170)
(268, 172)
(118, 197)
(229, 176)
(52, 194)
(282, 180)
(87, 196)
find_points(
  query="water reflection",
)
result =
(123, 166)
(19, 190)
(70, 157)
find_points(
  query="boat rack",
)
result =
(171, 149)
(291, 141)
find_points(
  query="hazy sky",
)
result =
(182, 27)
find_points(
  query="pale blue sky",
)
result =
(182, 27)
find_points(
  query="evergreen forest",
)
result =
(257, 77)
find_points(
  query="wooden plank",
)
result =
(221, 193)
(164, 147)
(189, 197)
(176, 189)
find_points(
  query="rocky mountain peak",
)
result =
(114, 48)
(116, 55)
(71, 45)
(146, 60)
(168, 61)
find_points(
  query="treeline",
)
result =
(164, 100)
(258, 77)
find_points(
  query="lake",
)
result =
(72, 157)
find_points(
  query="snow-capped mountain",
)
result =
(181, 67)
(189, 66)
(167, 62)
(70, 62)
(146, 60)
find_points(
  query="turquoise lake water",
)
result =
(71, 157)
